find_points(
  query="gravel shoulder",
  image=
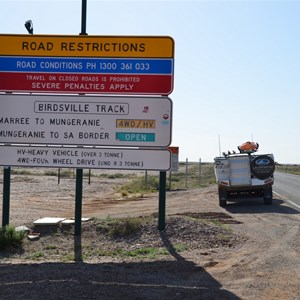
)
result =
(260, 259)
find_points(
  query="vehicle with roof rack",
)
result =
(244, 174)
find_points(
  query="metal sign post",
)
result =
(78, 201)
(79, 172)
(162, 201)
(6, 196)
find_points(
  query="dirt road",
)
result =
(266, 266)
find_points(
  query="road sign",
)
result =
(87, 64)
(85, 120)
(86, 46)
(86, 158)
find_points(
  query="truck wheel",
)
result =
(268, 196)
(222, 203)
(222, 198)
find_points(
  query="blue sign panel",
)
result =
(86, 65)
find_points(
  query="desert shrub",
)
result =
(121, 228)
(124, 228)
(9, 237)
(140, 185)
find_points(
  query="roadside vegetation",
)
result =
(121, 228)
(188, 177)
(290, 168)
(120, 238)
(193, 172)
(10, 238)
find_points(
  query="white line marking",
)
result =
(287, 200)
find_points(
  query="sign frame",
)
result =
(85, 157)
(85, 120)
(131, 65)
(86, 46)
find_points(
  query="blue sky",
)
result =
(237, 64)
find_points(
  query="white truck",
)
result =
(244, 174)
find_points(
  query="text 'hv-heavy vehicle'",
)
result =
(245, 174)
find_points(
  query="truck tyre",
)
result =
(262, 166)
(268, 196)
(222, 198)
(222, 203)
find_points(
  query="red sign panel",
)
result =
(86, 83)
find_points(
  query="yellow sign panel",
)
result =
(87, 46)
(129, 123)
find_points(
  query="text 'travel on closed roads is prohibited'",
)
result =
(87, 64)
(85, 120)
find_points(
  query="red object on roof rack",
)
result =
(248, 147)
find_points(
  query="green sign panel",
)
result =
(135, 137)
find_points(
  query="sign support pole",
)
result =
(83, 17)
(79, 172)
(78, 201)
(162, 201)
(6, 196)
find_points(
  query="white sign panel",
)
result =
(85, 120)
(86, 158)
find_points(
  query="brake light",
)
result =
(269, 180)
(224, 183)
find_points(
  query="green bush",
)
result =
(121, 228)
(20, 172)
(9, 237)
(50, 173)
(124, 228)
(115, 176)
(141, 185)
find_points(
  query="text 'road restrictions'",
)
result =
(87, 64)
(86, 46)
(86, 158)
(85, 120)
